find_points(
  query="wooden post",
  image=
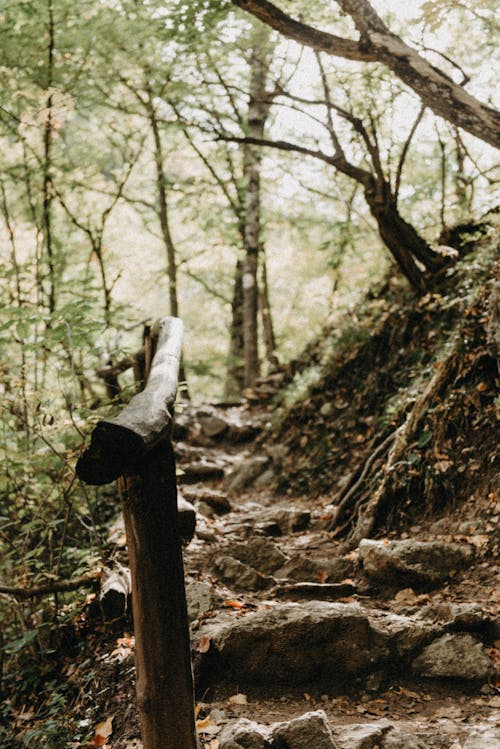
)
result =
(135, 447)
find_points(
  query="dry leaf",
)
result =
(204, 644)
(442, 465)
(234, 604)
(307, 696)
(238, 699)
(207, 726)
(102, 732)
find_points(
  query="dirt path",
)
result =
(242, 526)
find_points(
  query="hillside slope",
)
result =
(403, 399)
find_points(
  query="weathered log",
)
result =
(119, 444)
(136, 448)
(162, 650)
(116, 588)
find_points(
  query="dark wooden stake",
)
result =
(163, 661)
(135, 447)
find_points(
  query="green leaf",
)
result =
(424, 438)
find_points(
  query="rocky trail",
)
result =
(299, 645)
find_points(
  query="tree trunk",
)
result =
(48, 136)
(267, 318)
(163, 211)
(166, 234)
(235, 372)
(258, 110)
(401, 238)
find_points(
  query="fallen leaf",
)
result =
(204, 644)
(307, 696)
(102, 732)
(207, 726)
(231, 604)
(442, 465)
(238, 699)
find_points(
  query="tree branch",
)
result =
(57, 586)
(378, 44)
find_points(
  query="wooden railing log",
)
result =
(118, 444)
(136, 448)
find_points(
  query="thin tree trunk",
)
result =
(48, 137)
(258, 110)
(165, 231)
(163, 211)
(235, 371)
(266, 315)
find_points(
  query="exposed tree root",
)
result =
(364, 515)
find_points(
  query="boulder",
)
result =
(213, 426)
(244, 734)
(458, 656)
(245, 474)
(201, 471)
(260, 553)
(314, 642)
(406, 562)
(303, 569)
(489, 738)
(289, 519)
(397, 739)
(216, 500)
(200, 597)
(235, 573)
(308, 731)
(362, 735)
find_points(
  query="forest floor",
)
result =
(366, 706)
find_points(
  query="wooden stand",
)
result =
(135, 447)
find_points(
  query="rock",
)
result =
(316, 591)
(486, 739)
(268, 528)
(246, 473)
(458, 656)
(308, 731)
(314, 570)
(244, 734)
(260, 553)
(211, 497)
(186, 517)
(362, 736)
(213, 426)
(397, 739)
(202, 471)
(239, 433)
(265, 480)
(289, 519)
(234, 572)
(314, 642)
(200, 597)
(407, 562)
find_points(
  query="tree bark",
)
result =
(258, 110)
(401, 238)
(235, 372)
(267, 318)
(48, 137)
(377, 43)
